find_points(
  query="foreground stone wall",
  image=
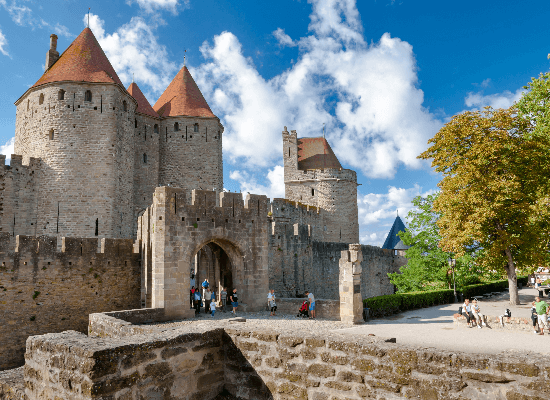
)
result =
(191, 363)
(44, 290)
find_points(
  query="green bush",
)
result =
(381, 306)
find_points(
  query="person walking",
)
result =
(234, 301)
(271, 302)
(213, 307)
(205, 285)
(207, 300)
(311, 299)
(197, 295)
(542, 314)
(223, 299)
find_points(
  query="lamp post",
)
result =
(452, 265)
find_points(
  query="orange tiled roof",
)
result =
(316, 153)
(84, 60)
(182, 97)
(143, 105)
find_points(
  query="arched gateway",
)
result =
(217, 235)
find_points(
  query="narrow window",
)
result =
(88, 95)
(61, 95)
(313, 192)
(166, 133)
(97, 226)
(156, 128)
(51, 134)
(176, 127)
(101, 103)
(144, 132)
(28, 104)
(144, 158)
(135, 123)
(41, 99)
(289, 151)
(125, 106)
(196, 128)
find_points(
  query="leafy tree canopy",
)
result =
(495, 190)
(428, 265)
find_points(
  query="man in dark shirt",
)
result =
(234, 301)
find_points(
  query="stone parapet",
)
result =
(493, 322)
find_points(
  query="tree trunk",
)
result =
(512, 278)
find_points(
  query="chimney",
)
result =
(53, 55)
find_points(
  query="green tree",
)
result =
(494, 191)
(427, 267)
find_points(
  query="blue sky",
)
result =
(382, 75)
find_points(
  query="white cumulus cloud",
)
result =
(3, 44)
(498, 100)
(249, 183)
(283, 38)
(133, 49)
(366, 94)
(151, 6)
(19, 13)
(377, 210)
(7, 149)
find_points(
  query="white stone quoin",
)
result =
(351, 302)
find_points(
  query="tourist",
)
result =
(271, 302)
(311, 299)
(213, 307)
(207, 300)
(192, 295)
(205, 285)
(542, 314)
(234, 301)
(223, 298)
(197, 302)
(534, 316)
(192, 280)
(478, 317)
(303, 310)
(467, 311)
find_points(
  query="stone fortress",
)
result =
(110, 203)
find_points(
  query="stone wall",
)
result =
(87, 157)
(190, 159)
(45, 290)
(193, 363)
(328, 309)
(332, 190)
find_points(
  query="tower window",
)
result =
(135, 123)
(313, 192)
(144, 158)
(61, 95)
(125, 105)
(156, 128)
(41, 99)
(28, 104)
(176, 127)
(97, 226)
(88, 95)
(196, 128)
(51, 134)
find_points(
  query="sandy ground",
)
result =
(434, 327)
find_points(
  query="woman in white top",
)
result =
(478, 317)
(271, 302)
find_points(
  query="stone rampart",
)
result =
(43, 289)
(193, 363)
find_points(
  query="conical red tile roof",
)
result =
(316, 153)
(143, 105)
(182, 97)
(84, 60)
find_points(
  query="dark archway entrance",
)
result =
(211, 262)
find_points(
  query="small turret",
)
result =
(53, 55)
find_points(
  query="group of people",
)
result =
(539, 315)
(208, 298)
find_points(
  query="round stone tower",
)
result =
(78, 120)
(190, 142)
(314, 176)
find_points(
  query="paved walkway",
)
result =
(434, 327)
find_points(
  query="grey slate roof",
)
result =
(401, 246)
(393, 239)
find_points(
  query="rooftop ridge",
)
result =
(144, 107)
(183, 98)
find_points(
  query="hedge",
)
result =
(380, 306)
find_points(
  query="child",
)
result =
(213, 307)
(303, 310)
(534, 316)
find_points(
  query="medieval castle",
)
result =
(109, 203)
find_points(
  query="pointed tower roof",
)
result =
(392, 240)
(84, 60)
(143, 105)
(183, 97)
(316, 153)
